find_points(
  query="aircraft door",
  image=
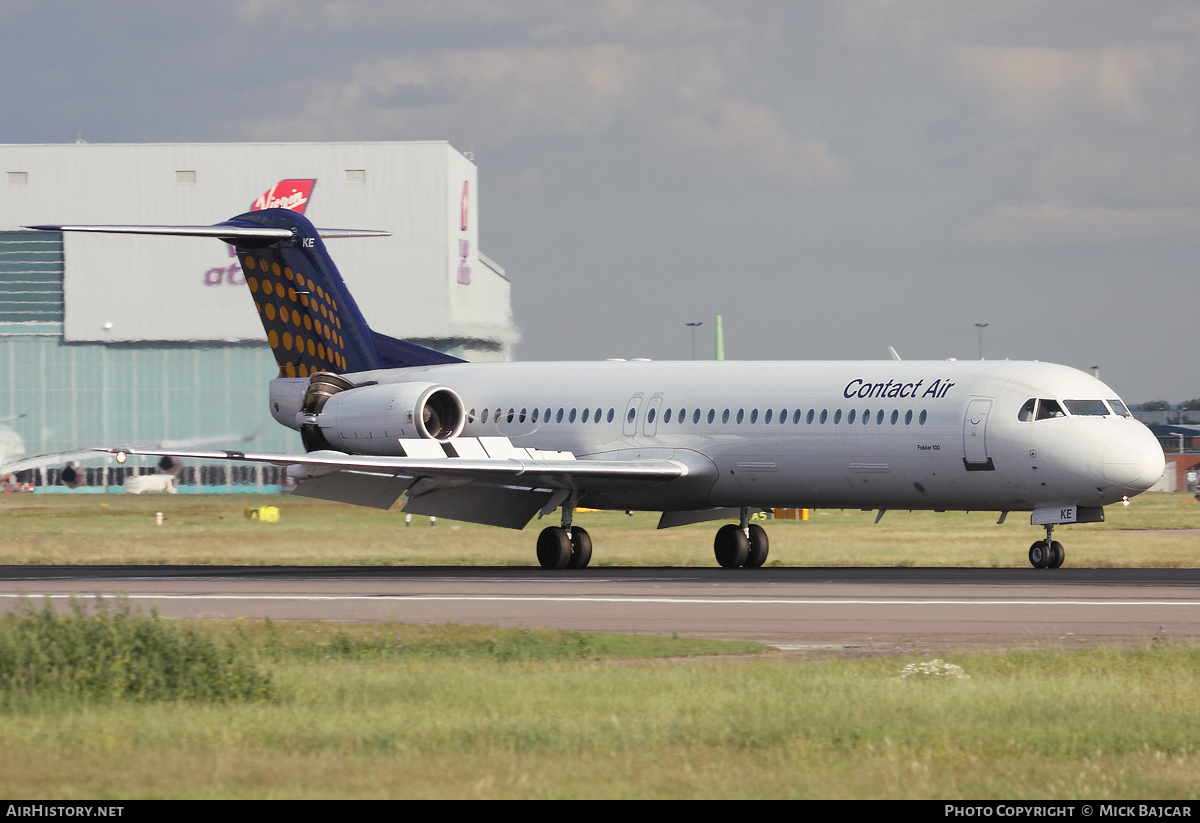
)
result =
(653, 410)
(632, 408)
(975, 451)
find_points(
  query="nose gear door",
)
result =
(975, 451)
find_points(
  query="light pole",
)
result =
(693, 326)
(981, 327)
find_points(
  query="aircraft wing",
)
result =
(500, 491)
(37, 461)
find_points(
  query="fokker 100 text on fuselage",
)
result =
(499, 443)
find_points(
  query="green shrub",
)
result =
(116, 655)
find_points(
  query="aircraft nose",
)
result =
(1134, 460)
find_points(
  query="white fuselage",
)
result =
(878, 434)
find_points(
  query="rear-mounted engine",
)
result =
(370, 419)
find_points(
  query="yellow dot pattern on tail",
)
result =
(300, 317)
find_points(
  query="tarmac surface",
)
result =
(801, 609)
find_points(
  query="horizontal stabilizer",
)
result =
(226, 231)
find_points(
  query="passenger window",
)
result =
(571, 418)
(767, 417)
(895, 416)
(650, 416)
(741, 414)
(808, 419)
(711, 414)
(483, 418)
(879, 418)
(783, 415)
(558, 417)
(850, 416)
(1119, 408)
(908, 417)
(596, 417)
(696, 416)
(667, 416)
(471, 416)
(824, 415)
(837, 417)
(547, 416)
(1048, 409)
(586, 414)
(1087, 408)
(511, 415)
(754, 416)
(611, 414)
(725, 416)
(535, 414)
(1026, 412)
(496, 419)
(632, 414)
(924, 414)
(521, 419)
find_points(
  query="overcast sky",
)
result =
(832, 177)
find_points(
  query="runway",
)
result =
(790, 607)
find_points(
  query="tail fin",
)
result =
(312, 322)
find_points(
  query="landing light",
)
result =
(1125, 500)
(122, 457)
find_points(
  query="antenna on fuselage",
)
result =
(892, 352)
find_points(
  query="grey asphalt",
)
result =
(791, 607)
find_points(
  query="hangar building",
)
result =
(114, 339)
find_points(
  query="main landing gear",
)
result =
(1048, 553)
(744, 545)
(564, 547)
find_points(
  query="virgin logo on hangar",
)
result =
(286, 194)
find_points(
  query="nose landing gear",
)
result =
(1048, 553)
(745, 545)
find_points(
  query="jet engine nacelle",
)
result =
(72, 476)
(370, 419)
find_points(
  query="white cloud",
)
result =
(1029, 85)
(675, 102)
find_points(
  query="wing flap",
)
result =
(377, 491)
(506, 506)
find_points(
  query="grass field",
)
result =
(88, 528)
(441, 711)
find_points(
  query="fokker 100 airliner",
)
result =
(499, 443)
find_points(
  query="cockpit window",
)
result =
(1087, 408)
(1119, 408)
(1026, 412)
(1048, 409)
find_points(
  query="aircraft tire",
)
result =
(554, 548)
(581, 549)
(1057, 555)
(731, 546)
(1038, 555)
(759, 546)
